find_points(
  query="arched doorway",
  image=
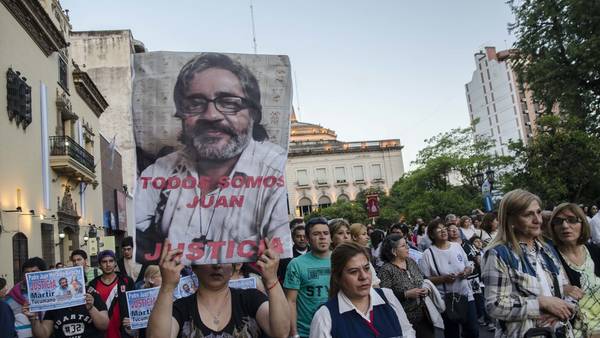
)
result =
(324, 202)
(343, 198)
(304, 206)
(20, 255)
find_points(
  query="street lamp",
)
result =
(489, 174)
(61, 237)
(479, 179)
(486, 183)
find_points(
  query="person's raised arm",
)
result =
(161, 323)
(273, 317)
(99, 316)
(39, 328)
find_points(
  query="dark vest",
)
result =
(384, 322)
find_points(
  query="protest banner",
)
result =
(187, 286)
(211, 134)
(55, 289)
(140, 304)
(243, 283)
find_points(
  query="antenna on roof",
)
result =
(297, 95)
(253, 29)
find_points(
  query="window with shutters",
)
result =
(324, 202)
(20, 255)
(304, 207)
(302, 175)
(340, 175)
(48, 243)
(321, 176)
(376, 173)
(359, 173)
(18, 95)
(63, 74)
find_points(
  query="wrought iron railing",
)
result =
(64, 145)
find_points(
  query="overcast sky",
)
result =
(367, 69)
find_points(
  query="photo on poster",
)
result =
(211, 135)
(243, 283)
(55, 289)
(187, 286)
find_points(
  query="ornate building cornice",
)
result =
(66, 205)
(34, 19)
(86, 88)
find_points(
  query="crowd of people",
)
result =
(513, 272)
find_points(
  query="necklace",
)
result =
(203, 236)
(576, 259)
(216, 318)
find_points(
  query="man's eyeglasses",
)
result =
(556, 221)
(226, 104)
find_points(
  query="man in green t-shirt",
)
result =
(79, 258)
(307, 278)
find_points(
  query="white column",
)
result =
(45, 147)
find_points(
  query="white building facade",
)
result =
(322, 170)
(504, 109)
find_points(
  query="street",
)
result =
(483, 333)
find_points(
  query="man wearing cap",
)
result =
(111, 287)
(226, 184)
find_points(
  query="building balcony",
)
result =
(70, 159)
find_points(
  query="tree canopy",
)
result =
(561, 164)
(558, 56)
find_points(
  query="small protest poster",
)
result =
(211, 134)
(55, 289)
(243, 283)
(140, 304)
(187, 286)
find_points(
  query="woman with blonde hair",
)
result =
(152, 277)
(570, 233)
(522, 274)
(360, 236)
(354, 308)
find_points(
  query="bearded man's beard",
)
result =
(206, 147)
